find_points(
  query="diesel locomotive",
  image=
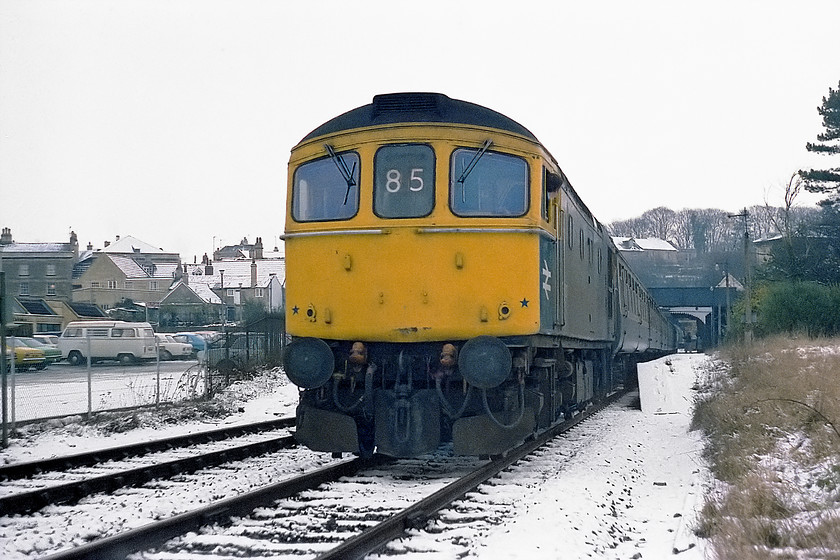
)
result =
(445, 283)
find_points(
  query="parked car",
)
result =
(171, 349)
(47, 338)
(197, 341)
(25, 357)
(125, 342)
(51, 352)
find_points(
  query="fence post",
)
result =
(3, 373)
(12, 382)
(89, 377)
(157, 376)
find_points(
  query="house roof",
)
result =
(129, 244)
(201, 291)
(35, 306)
(128, 266)
(85, 309)
(643, 244)
(236, 273)
(37, 248)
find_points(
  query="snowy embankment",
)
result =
(625, 484)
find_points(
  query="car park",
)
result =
(171, 349)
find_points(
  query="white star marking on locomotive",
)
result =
(547, 274)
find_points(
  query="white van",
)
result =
(109, 340)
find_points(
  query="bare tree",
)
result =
(684, 228)
(782, 219)
(660, 222)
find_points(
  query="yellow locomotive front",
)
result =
(413, 255)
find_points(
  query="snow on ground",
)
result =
(268, 397)
(626, 484)
(631, 492)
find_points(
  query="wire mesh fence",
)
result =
(61, 390)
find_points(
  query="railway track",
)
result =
(314, 514)
(30, 486)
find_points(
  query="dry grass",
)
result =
(773, 423)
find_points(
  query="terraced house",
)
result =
(39, 286)
(127, 270)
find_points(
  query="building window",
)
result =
(128, 285)
(23, 270)
(231, 293)
(50, 270)
(153, 285)
(258, 292)
(112, 284)
(51, 290)
(95, 284)
(24, 288)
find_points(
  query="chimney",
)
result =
(254, 272)
(208, 267)
(258, 249)
(74, 246)
(6, 237)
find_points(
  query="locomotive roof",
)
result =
(395, 108)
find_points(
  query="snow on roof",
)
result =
(654, 244)
(204, 292)
(132, 269)
(733, 283)
(643, 244)
(237, 273)
(129, 244)
(128, 266)
(36, 248)
(166, 269)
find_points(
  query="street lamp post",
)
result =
(222, 297)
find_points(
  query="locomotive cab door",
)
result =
(551, 256)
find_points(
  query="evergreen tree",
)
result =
(826, 181)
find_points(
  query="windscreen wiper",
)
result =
(346, 172)
(471, 166)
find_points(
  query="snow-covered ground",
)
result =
(626, 484)
(632, 487)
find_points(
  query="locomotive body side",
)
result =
(445, 283)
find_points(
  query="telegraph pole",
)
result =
(748, 333)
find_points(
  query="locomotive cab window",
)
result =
(404, 181)
(327, 189)
(488, 184)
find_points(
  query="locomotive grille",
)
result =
(406, 103)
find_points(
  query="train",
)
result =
(446, 285)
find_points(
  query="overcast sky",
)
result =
(172, 121)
